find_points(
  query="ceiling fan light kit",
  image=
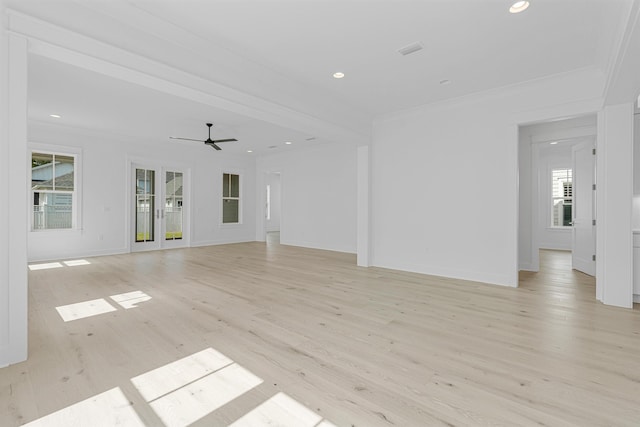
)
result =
(210, 142)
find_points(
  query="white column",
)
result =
(614, 169)
(363, 207)
(14, 194)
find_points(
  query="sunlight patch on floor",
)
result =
(45, 266)
(188, 389)
(76, 262)
(111, 408)
(183, 392)
(84, 309)
(198, 399)
(280, 410)
(130, 299)
(175, 375)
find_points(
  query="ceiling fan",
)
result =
(210, 142)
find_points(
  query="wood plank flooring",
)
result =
(357, 346)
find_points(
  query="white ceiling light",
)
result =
(249, 151)
(338, 75)
(519, 6)
(553, 143)
(288, 142)
(55, 116)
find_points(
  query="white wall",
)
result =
(105, 211)
(445, 177)
(614, 169)
(319, 195)
(13, 171)
(273, 181)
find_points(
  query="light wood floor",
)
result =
(361, 347)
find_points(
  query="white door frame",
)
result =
(534, 146)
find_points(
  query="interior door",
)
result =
(584, 233)
(159, 206)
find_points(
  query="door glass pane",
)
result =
(173, 206)
(145, 205)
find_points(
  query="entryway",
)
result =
(557, 192)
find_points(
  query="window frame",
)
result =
(76, 193)
(239, 198)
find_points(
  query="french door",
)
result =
(159, 207)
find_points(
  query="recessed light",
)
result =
(55, 116)
(288, 142)
(519, 6)
(409, 49)
(553, 143)
(445, 82)
(338, 75)
(249, 151)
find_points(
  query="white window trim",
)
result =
(240, 198)
(76, 213)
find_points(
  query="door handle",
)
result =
(158, 213)
(162, 211)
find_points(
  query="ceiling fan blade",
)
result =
(224, 140)
(212, 144)
(186, 139)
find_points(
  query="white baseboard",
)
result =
(221, 242)
(74, 255)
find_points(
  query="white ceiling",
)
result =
(476, 44)
(287, 50)
(93, 101)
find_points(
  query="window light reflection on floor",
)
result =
(130, 299)
(84, 309)
(45, 266)
(182, 392)
(283, 411)
(110, 408)
(76, 262)
(188, 389)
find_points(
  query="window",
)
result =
(561, 197)
(53, 189)
(230, 198)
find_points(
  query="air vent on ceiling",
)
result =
(411, 48)
(271, 147)
(313, 137)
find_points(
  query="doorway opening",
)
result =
(557, 195)
(272, 203)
